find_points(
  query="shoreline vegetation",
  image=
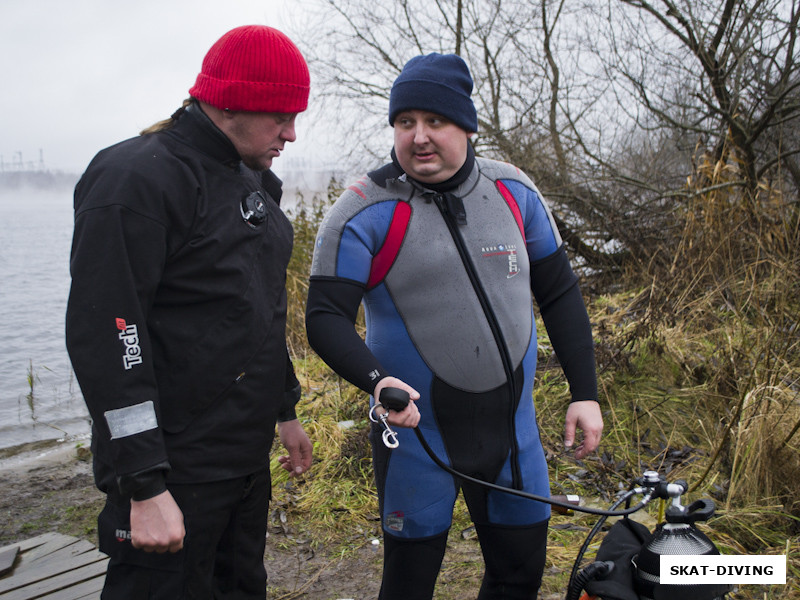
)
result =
(699, 374)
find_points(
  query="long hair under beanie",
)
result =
(254, 68)
(438, 83)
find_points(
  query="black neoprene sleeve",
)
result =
(331, 312)
(555, 287)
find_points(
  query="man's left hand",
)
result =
(586, 416)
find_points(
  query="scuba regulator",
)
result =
(627, 565)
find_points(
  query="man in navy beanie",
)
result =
(176, 328)
(444, 249)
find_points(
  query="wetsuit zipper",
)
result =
(466, 259)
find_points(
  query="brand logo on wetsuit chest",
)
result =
(122, 535)
(129, 334)
(509, 250)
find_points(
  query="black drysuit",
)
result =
(176, 321)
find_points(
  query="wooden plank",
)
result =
(88, 590)
(33, 542)
(59, 547)
(72, 584)
(76, 548)
(7, 559)
(53, 566)
(51, 546)
(50, 569)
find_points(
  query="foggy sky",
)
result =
(79, 75)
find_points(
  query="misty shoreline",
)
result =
(18, 180)
(44, 452)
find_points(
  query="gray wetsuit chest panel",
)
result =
(449, 315)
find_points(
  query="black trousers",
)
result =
(223, 553)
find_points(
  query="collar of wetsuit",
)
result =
(456, 180)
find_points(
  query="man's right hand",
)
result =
(157, 524)
(409, 416)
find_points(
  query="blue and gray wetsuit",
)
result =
(446, 276)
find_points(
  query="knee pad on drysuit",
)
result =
(514, 558)
(410, 567)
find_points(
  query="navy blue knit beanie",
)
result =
(438, 83)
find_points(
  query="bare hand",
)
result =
(294, 439)
(157, 524)
(586, 416)
(409, 416)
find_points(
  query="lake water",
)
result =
(39, 396)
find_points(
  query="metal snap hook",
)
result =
(389, 436)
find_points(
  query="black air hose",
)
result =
(596, 570)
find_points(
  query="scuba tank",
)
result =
(677, 536)
(627, 565)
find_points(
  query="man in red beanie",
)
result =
(176, 327)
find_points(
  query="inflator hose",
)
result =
(397, 399)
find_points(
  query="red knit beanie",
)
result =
(254, 68)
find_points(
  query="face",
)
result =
(259, 137)
(430, 148)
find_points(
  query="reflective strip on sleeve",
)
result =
(131, 420)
